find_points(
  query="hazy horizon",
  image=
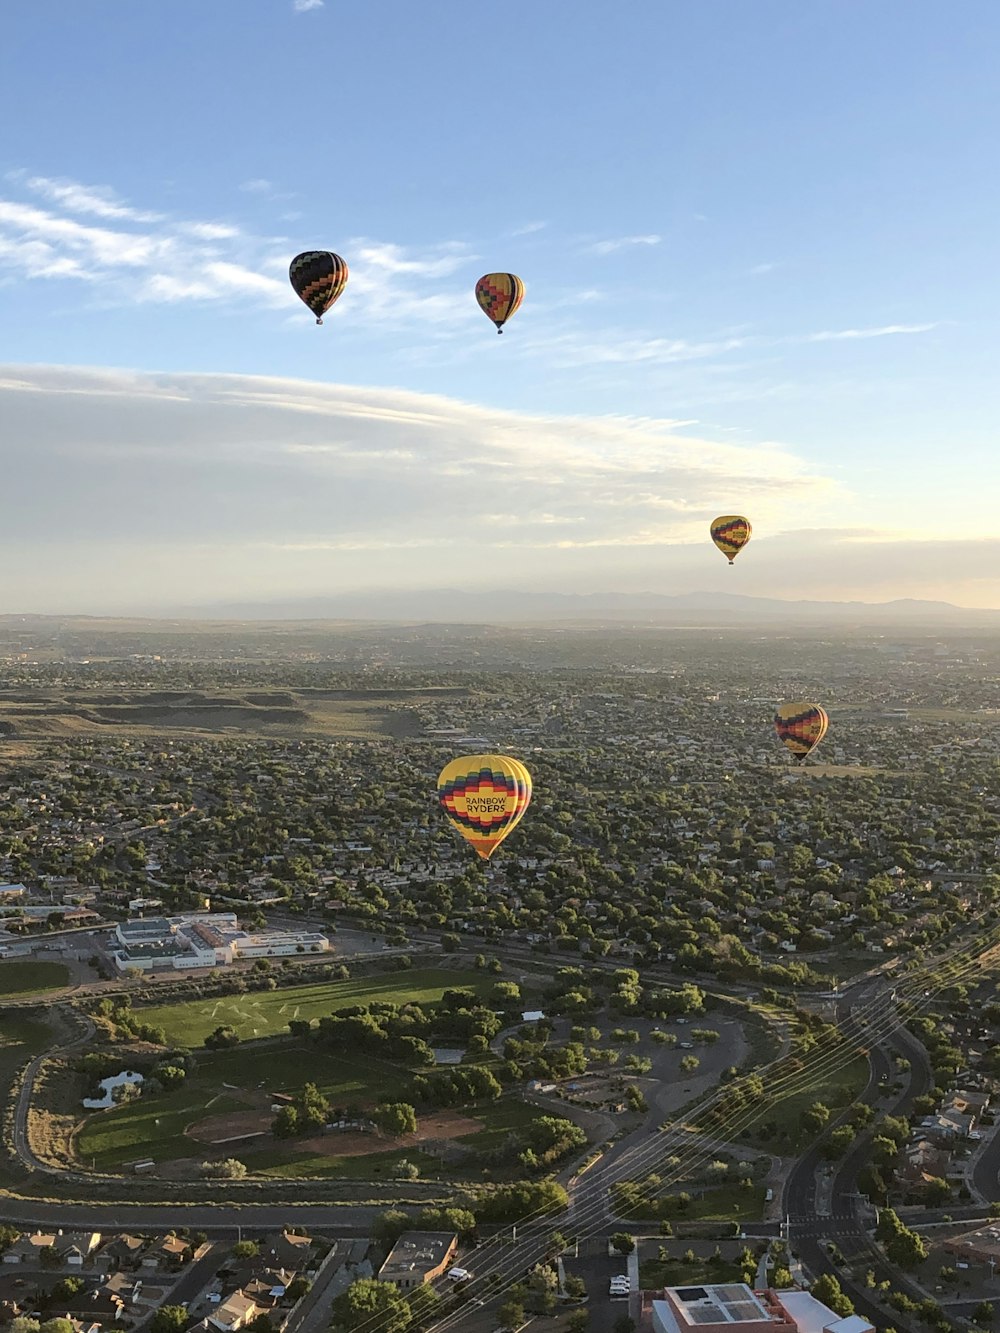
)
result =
(760, 267)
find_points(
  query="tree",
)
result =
(424, 1303)
(577, 1322)
(67, 1288)
(575, 1286)
(623, 1242)
(396, 1119)
(814, 1120)
(169, 1319)
(300, 1287)
(624, 1324)
(828, 1290)
(246, 1249)
(126, 1092)
(222, 1039)
(983, 1313)
(57, 1326)
(511, 1315)
(390, 1225)
(371, 1305)
(230, 1168)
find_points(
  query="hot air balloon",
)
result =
(801, 727)
(730, 533)
(500, 294)
(318, 277)
(484, 797)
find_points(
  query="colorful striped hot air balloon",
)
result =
(801, 727)
(484, 797)
(499, 294)
(319, 277)
(730, 533)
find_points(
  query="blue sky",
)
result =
(773, 222)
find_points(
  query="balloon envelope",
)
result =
(484, 797)
(730, 532)
(319, 277)
(500, 294)
(801, 727)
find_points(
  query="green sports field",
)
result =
(265, 1013)
(26, 976)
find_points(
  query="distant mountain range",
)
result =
(692, 608)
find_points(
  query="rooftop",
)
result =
(416, 1251)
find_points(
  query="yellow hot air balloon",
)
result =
(801, 727)
(484, 797)
(499, 295)
(730, 533)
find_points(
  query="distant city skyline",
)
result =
(760, 255)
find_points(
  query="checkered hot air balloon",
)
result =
(484, 797)
(800, 727)
(319, 277)
(499, 295)
(730, 533)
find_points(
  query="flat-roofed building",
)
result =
(735, 1308)
(418, 1257)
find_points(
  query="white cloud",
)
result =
(529, 228)
(97, 200)
(304, 6)
(123, 487)
(621, 243)
(620, 347)
(256, 186)
(885, 331)
(177, 260)
(112, 467)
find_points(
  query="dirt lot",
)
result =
(445, 1125)
(216, 1129)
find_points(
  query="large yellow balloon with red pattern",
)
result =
(484, 797)
(730, 532)
(499, 295)
(801, 727)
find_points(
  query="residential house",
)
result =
(287, 1251)
(167, 1253)
(122, 1251)
(27, 1248)
(234, 1313)
(923, 1161)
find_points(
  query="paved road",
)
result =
(846, 1224)
(21, 1145)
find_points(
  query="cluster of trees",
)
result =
(404, 1032)
(369, 1304)
(545, 1141)
(114, 1014)
(307, 1113)
(903, 1246)
(458, 1085)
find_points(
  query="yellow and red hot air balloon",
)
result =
(801, 727)
(484, 796)
(730, 533)
(499, 295)
(318, 277)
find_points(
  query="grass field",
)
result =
(154, 1127)
(655, 1273)
(268, 1012)
(835, 1090)
(26, 976)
